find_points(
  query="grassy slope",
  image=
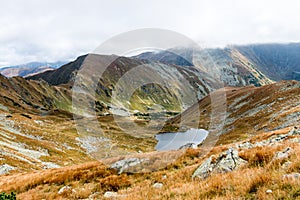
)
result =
(280, 100)
(250, 110)
(249, 182)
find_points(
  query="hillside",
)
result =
(166, 94)
(276, 61)
(239, 65)
(249, 111)
(51, 147)
(228, 64)
(270, 171)
(48, 136)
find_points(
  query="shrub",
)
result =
(11, 196)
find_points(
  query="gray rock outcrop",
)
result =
(273, 140)
(281, 155)
(225, 162)
(4, 169)
(127, 164)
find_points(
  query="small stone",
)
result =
(269, 191)
(189, 146)
(286, 165)
(94, 195)
(295, 140)
(293, 176)
(294, 131)
(110, 194)
(63, 189)
(164, 177)
(114, 195)
(157, 185)
(281, 155)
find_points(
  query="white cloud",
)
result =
(51, 30)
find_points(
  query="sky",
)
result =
(53, 30)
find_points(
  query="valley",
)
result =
(67, 133)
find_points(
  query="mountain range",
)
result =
(29, 69)
(68, 117)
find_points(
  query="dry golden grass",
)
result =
(250, 182)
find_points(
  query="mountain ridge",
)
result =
(30, 69)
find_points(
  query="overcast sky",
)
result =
(52, 30)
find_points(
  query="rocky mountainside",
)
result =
(185, 81)
(21, 95)
(43, 146)
(276, 61)
(29, 69)
(228, 64)
(239, 65)
(249, 110)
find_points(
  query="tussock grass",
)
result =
(252, 181)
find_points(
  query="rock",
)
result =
(204, 170)
(64, 189)
(294, 140)
(245, 145)
(94, 195)
(157, 185)
(4, 169)
(50, 165)
(286, 165)
(226, 162)
(125, 165)
(110, 195)
(113, 195)
(293, 176)
(269, 191)
(164, 177)
(294, 131)
(189, 146)
(281, 155)
(230, 162)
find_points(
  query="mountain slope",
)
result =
(250, 110)
(227, 64)
(277, 61)
(32, 96)
(181, 77)
(259, 62)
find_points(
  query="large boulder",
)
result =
(225, 162)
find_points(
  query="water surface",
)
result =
(173, 141)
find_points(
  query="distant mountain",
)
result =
(30, 69)
(227, 65)
(277, 61)
(169, 57)
(62, 75)
(234, 66)
(239, 64)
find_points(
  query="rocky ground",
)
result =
(262, 167)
